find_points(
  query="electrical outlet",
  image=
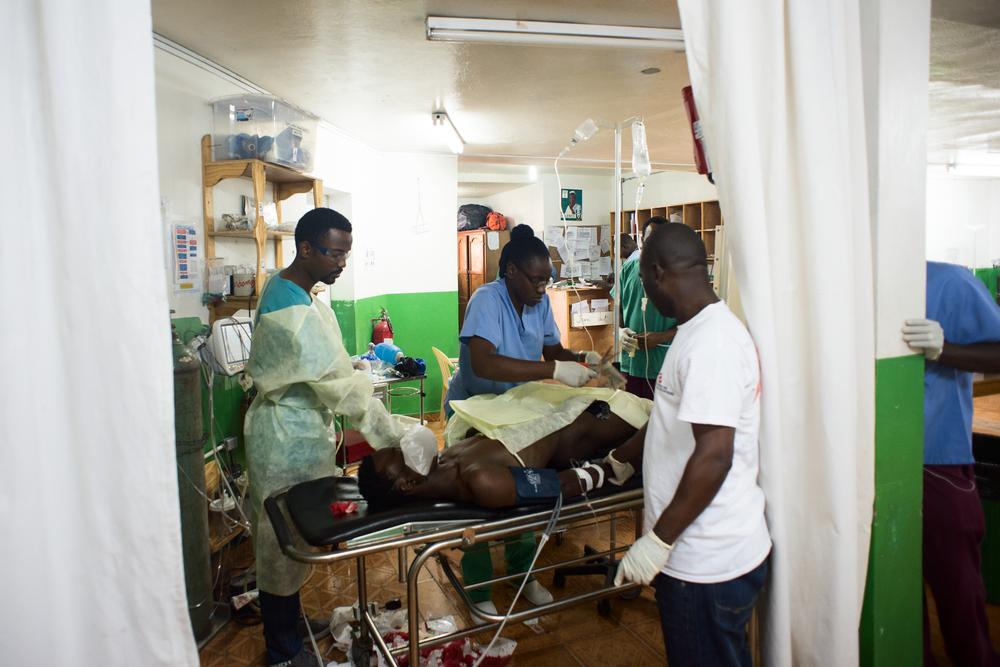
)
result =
(230, 443)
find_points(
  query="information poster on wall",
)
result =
(572, 204)
(187, 256)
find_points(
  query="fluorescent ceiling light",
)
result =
(448, 132)
(546, 33)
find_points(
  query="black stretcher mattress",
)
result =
(308, 505)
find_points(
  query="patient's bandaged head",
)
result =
(535, 484)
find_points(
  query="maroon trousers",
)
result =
(639, 386)
(953, 531)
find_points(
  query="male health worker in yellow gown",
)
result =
(303, 376)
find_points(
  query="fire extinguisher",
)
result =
(381, 328)
(697, 134)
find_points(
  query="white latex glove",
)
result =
(420, 448)
(924, 335)
(644, 560)
(573, 374)
(620, 472)
(592, 358)
(362, 365)
(629, 341)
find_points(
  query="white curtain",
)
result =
(91, 554)
(779, 90)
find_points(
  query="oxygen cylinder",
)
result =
(191, 489)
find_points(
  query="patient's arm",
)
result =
(493, 486)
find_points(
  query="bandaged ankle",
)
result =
(586, 477)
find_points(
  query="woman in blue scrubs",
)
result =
(509, 337)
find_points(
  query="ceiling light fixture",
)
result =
(447, 130)
(547, 33)
(650, 70)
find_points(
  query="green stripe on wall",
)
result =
(419, 321)
(891, 622)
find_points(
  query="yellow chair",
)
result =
(448, 367)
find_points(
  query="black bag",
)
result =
(472, 216)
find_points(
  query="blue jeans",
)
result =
(706, 624)
(280, 617)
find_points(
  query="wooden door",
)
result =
(476, 281)
(463, 253)
(477, 252)
(463, 297)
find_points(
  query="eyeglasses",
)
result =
(534, 282)
(332, 253)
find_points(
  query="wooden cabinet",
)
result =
(599, 338)
(478, 263)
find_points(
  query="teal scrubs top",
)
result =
(645, 363)
(280, 293)
(491, 315)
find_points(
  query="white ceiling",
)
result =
(367, 67)
(964, 90)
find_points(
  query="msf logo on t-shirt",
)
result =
(660, 385)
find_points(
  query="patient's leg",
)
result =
(588, 437)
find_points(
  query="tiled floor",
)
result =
(577, 636)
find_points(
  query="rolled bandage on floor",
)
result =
(587, 481)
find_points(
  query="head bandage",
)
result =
(420, 448)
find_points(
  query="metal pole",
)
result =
(617, 259)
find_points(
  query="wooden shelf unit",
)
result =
(701, 216)
(285, 182)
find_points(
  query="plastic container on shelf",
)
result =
(264, 128)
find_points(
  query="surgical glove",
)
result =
(644, 560)
(592, 359)
(573, 374)
(924, 335)
(362, 365)
(630, 343)
(620, 472)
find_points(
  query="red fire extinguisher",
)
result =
(697, 134)
(381, 328)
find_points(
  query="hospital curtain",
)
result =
(91, 557)
(779, 90)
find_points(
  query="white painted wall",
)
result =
(394, 227)
(523, 205)
(404, 217)
(955, 207)
(669, 187)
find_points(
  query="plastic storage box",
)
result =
(264, 128)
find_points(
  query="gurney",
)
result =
(308, 532)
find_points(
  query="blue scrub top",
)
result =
(966, 311)
(491, 315)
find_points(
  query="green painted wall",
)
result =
(891, 622)
(989, 276)
(419, 321)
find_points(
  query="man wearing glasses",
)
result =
(303, 376)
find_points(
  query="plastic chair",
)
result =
(448, 367)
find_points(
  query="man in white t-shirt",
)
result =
(706, 545)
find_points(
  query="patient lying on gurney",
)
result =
(483, 470)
